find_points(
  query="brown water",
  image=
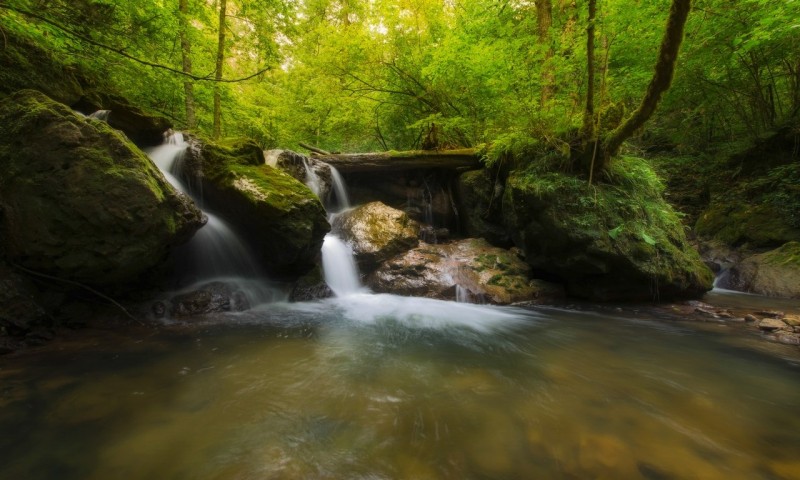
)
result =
(382, 388)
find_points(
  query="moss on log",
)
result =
(467, 158)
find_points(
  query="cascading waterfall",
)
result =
(342, 199)
(313, 182)
(215, 250)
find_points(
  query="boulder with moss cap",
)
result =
(279, 217)
(617, 240)
(78, 200)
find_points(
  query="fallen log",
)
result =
(464, 159)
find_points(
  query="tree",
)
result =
(186, 54)
(544, 21)
(217, 127)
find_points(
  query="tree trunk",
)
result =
(186, 52)
(466, 159)
(544, 20)
(217, 131)
(588, 112)
(662, 78)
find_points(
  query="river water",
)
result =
(383, 387)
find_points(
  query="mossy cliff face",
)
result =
(78, 200)
(612, 241)
(280, 216)
(480, 204)
(775, 273)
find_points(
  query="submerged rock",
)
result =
(468, 268)
(214, 297)
(78, 200)
(376, 233)
(280, 217)
(775, 273)
(618, 241)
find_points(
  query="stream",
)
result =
(385, 387)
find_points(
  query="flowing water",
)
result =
(382, 387)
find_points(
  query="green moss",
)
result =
(786, 255)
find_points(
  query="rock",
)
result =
(750, 318)
(78, 200)
(214, 297)
(145, 130)
(482, 273)
(315, 174)
(20, 309)
(279, 217)
(775, 273)
(770, 324)
(25, 65)
(706, 312)
(376, 233)
(788, 338)
(611, 242)
(480, 205)
(771, 313)
(310, 286)
(793, 320)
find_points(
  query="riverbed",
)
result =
(385, 387)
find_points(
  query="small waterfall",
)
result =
(313, 181)
(343, 201)
(215, 250)
(462, 294)
(341, 272)
(101, 115)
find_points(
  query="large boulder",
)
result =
(376, 233)
(279, 216)
(617, 241)
(468, 270)
(78, 201)
(480, 205)
(775, 273)
(144, 129)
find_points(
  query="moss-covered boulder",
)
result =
(279, 216)
(376, 233)
(775, 273)
(144, 129)
(612, 241)
(480, 205)
(25, 65)
(469, 270)
(78, 201)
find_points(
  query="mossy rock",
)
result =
(280, 217)
(78, 200)
(613, 241)
(25, 65)
(775, 273)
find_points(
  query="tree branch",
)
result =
(122, 53)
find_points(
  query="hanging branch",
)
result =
(84, 38)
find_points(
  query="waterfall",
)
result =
(313, 182)
(343, 201)
(215, 250)
(101, 115)
(341, 272)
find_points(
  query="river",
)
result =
(383, 387)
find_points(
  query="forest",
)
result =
(374, 75)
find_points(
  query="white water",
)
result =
(215, 250)
(341, 272)
(342, 199)
(101, 115)
(313, 182)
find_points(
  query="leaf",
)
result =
(648, 239)
(614, 232)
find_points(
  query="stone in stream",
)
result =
(376, 233)
(775, 273)
(771, 324)
(79, 201)
(214, 297)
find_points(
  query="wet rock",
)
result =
(775, 273)
(299, 166)
(376, 233)
(594, 244)
(793, 320)
(706, 312)
(770, 324)
(281, 218)
(144, 129)
(79, 201)
(787, 338)
(214, 297)
(751, 318)
(310, 286)
(471, 268)
(771, 313)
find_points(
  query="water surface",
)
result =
(380, 387)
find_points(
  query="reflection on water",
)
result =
(378, 387)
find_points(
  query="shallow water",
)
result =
(377, 386)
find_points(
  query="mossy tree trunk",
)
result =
(217, 129)
(544, 21)
(660, 83)
(186, 53)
